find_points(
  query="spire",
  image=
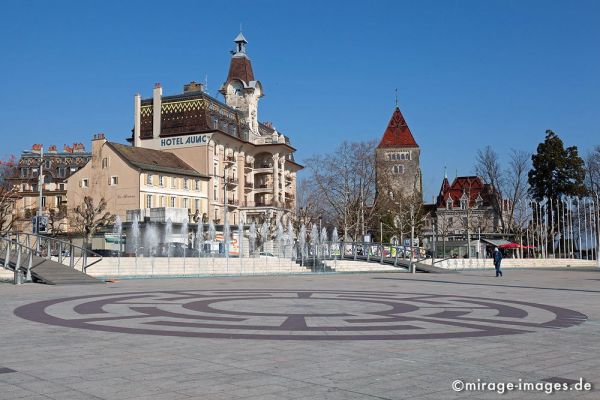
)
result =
(240, 48)
(397, 133)
(240, 67)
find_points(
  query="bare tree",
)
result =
(342, 186)
(592, 166)
(89, 217)
(56, 220)
(516, 191)
(488, 167)
(8, 195)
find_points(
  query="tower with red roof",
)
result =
(397, 155)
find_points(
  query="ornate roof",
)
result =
(397, 133)
(467, 187)
(240, 68)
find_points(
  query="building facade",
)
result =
(464, 207)
(397, 160)
(250, 165)
(56, 168)
(140, 180)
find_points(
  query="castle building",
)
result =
(397, 160)
(249, 165)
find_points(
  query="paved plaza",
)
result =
(331, 336)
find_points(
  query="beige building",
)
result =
(131, 178)
(250, 165)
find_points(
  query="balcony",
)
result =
(231, 181)
(268, 203)
(261, 168)
(229, 158)
(248, 165)
(232, 202)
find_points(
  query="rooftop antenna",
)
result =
(396, 97)
(206, 83)
(445, 173)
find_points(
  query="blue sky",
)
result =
(468, 73)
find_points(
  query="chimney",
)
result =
(193, 87)
(137, 112)
(156, 110)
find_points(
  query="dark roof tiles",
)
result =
(154, 160)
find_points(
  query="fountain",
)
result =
(323, 239)
(280, 239)
(150, 239)
(118, 232)
(200, 238)
(302, 243)
(226, 238)
(252, 237)
(168, 234)
(335, 242)
(212, 234)
(135, 233)
(264, 233)
(290, 237)
(184, 234)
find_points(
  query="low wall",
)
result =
(114, 267)
(474, 263)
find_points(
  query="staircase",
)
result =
(21, 254)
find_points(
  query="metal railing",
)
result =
(383, 253)
(49, 248)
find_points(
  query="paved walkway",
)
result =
(359, 336)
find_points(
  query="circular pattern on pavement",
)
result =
(273, 314)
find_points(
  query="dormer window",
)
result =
(448, 203)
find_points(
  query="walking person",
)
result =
(497, 261)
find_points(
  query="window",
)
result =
(185, 202)
(85, 183)
(61, 186)
(173, 200)
(104, 163)
(34, 187)
(198, 184)
(114, 180)
(148, 201)
(398, 169)
(215, 193)
(23, 187)
(162, 201)
(449, 204)
(43, 201)
(59, 201)
(197, 204)
(173, 183)
(73, 169)
(161, 180)
(149, 179)
(62, 172)
(47, 164)
(186, 183)
(47, 178)
(215, 122)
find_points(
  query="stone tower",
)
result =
(240, 89)
(397, 158)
